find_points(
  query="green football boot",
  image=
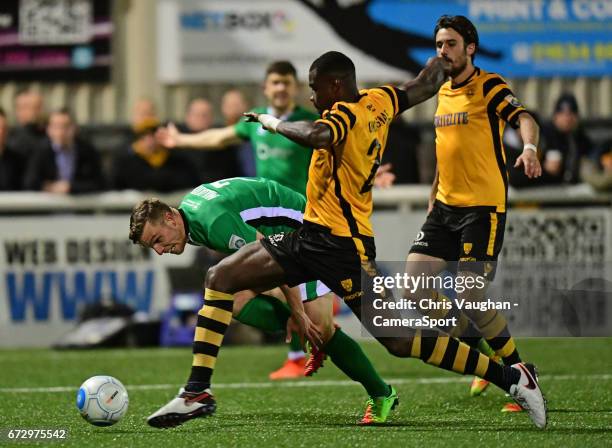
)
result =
(378, 408)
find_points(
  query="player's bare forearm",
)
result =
(293, 299)
(208, 140)
(529, 129)
(306, 133)
(428, 81)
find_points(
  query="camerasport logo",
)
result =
(222, 21)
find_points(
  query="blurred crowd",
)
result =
(44, 151)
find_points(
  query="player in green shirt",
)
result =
(276, 157)
(224, 216)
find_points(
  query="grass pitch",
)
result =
(38, 390)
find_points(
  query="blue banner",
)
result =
(521, 38)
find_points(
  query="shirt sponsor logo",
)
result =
(457, 118)
(265, 152)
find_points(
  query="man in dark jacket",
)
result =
(29, 134)
(566, 143)
(65, 164)
(11, 161)
(148, 166)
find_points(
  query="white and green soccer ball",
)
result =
(102, 400)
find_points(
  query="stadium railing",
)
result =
(400, 197)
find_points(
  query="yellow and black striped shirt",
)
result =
(340, 182)
(469, 122)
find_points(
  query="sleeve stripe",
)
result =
(351, 116)
(508, 110)
(331, 127)
(340, 118)
(335, 124)
(489, 84)
(513, 118)
(498, 98)
(391, 92)
(342, 128)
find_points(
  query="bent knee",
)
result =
(214, 279)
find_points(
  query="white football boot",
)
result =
(185, 406)
(528, 395)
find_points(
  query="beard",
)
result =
(456, 70)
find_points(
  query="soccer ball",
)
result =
(102, 400)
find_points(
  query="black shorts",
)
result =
(468, 235)
(313, 253)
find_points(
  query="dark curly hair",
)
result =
(463, 26)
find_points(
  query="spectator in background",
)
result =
(233, 105)
(566, 143)
(146, 165)
(564, 146)
(212, 165)
(11, 161)
(29, 133)
(143, 109)
(598, 172)
(65, 164)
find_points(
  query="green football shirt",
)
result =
(227, 214)
(277, 157)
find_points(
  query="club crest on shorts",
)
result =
(347, 284)
(467, 248)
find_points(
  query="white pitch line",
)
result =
(306, 383)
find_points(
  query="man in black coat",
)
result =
(564, 147)
(146, 165)
(566, 143)
(11, 161)
(65, 164)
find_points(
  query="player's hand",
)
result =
(440, 62)
(268, 122)
(530, 161)
(430, 205)
(57, 187)
(251, 117)
(384, 177)
(301, 324)
(167, 136)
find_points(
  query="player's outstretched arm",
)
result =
(306, 133)
(211, 139)
(428, 81)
